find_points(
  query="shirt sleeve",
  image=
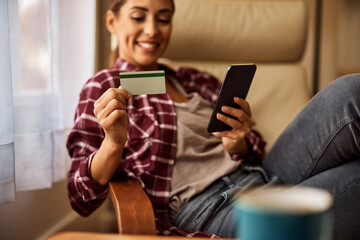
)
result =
(85, 138)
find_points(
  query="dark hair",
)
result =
(115, 6)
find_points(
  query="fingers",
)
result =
(108, 122)
(242, 118)
(113, 105)
(110, 109)
(113, 98)
(231, 134)
(111, 93)
(242, 123)
(244, 105)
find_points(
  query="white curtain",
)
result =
(49, 47)
(7, 166)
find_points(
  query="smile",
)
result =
(147, 45)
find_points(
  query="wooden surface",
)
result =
(105, 236)
(133, 208)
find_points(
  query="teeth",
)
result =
(147, 45)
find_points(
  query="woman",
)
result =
(185, 170)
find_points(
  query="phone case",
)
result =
(237, 83)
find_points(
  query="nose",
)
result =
(151, 28)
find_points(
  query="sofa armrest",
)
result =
(133, 208)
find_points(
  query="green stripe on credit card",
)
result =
(142, 75)
(145, 82)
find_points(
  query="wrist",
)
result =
(113, 146)
(105, 161)
(239, 147)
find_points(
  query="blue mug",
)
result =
(284, 213)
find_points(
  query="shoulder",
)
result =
(194, 73)
(188, 73)
(193, 76)
(202, 82)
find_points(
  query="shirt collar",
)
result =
(124, 66)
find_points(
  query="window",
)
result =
(49, 47)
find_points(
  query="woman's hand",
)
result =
(110, 110)
(234, 139)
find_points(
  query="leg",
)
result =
(344, 184)
(211, 211)
(346, 208)
(324, 135)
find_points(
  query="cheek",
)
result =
(167, 34)
(127, 32)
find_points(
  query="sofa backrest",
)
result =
(211, 34)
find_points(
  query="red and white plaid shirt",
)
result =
(150, 150)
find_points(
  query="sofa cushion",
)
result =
(265, 31)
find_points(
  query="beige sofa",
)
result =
(211, 34)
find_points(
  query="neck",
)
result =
(174, 93)
(150, 67)
(153, 66)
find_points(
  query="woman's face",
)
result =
(143, 29)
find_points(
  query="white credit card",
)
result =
(145, 82)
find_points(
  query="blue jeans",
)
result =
(320, 148)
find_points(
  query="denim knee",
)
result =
(342, 95)
(347, 86)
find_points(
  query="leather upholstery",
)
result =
(211, 34)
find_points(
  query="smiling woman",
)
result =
(161, 139)
(117, 133)
(142, 29)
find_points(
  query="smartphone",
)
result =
(237, 83)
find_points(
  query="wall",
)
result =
(340, 39)
(38, 214)
(307, 60)
(339, 48)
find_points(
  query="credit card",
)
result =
(145, 82)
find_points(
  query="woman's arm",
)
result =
(110, 110)
(85, 140)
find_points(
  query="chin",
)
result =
(148, 63)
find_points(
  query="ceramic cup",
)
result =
(284, 213)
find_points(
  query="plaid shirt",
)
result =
(150, 150)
